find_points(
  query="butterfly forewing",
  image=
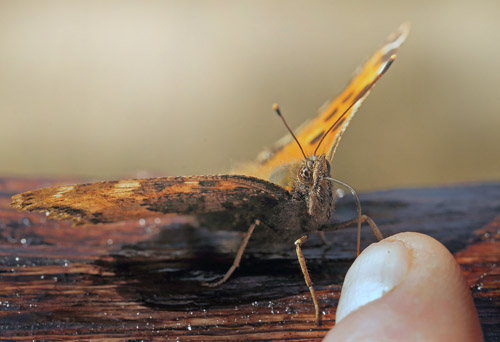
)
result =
(286, 150)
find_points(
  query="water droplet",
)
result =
(340, 193)
(26, 221)
(17, 258)
(189, 327)
(157, 220)
(142, 222)
(23, 241)
(109, 242)
(42, 277)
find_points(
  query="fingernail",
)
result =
(380, 268)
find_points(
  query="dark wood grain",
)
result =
(140, 279)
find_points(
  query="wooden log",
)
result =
(141, 279)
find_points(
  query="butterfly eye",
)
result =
(305, 174)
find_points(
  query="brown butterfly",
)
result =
(288, 190)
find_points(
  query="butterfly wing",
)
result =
(336, 114)
(112, 201)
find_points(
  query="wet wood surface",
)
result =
(141, 279)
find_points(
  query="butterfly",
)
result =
(287, 191)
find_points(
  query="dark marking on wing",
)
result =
(347, 97)
(338, 124)
(316, 138)
(208, 183)
(361, 93)
(331, 114)
(69, 210)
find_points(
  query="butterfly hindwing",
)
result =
(112, 201)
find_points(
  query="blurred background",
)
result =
(113, 89)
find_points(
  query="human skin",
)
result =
(407, 287)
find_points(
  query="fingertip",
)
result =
(375, 272)
(406, 287)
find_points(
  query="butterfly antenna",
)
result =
(356, 100)
(276, 108)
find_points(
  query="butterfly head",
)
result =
(312, 170)
(310, 182)
(312, 185)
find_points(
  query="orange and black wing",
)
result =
(336, 114)
(112, 201)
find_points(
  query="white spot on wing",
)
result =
(127, 184)
(63, 190)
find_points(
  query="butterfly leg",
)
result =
(237, 259)
(307, 278)
(363, 218)
(323, 238)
